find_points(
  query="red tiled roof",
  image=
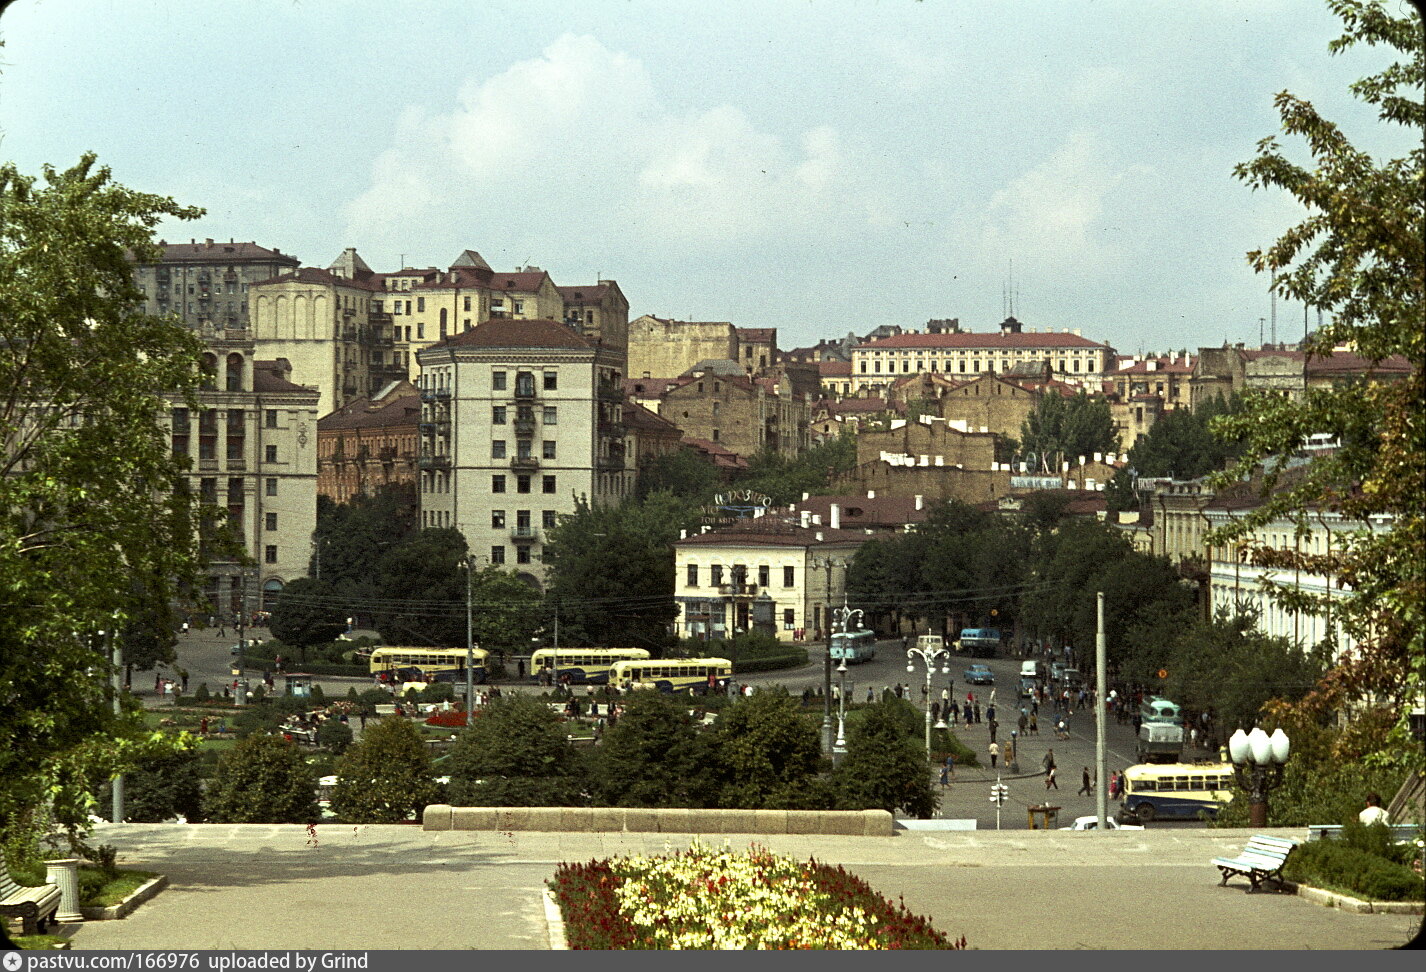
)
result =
(759, 334)
(834, 369)
(648, 387)
(770, 532)
(642, 419)
(363, 413)
(515, 332)
(521, 282)
(1348, 362)
(1161, 366)
(857, 406)
(965, 339)
(271, 376)
(857, 510)
(722, 458)
(583, 294)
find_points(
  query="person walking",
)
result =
(1050, 782)
(950, 767)
(993, 726)
(1085, 786)
(945, 778)
(977, 713)
(994, 749)
(1034, 724)
(1047, 764)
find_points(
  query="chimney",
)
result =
(871, 494)
(683, 534)
(836, 517)
(819, 536)
(806, 519)
(816, 519)
(920, 501)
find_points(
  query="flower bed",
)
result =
(707, 899)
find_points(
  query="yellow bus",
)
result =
(581, 666)
(1154, 791)
(425, 664)
(694, 675)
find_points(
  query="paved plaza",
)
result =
(258, 886)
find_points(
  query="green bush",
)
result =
(1337, 865)
(334, 736)
(263, 780)
(791, 658)
(385, 778)
(202, 695)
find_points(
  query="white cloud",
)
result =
(577, 137)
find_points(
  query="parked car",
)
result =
(980, 675)
(1092, 823)
(1028, 686)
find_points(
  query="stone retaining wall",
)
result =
(850, 823)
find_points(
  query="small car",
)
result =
(980, 675)
(1092, 823)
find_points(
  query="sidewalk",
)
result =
(373, 887)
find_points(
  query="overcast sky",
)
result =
(817, 166)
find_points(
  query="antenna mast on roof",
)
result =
(1274, 307)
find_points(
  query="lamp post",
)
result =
(828, 563)
(839, 748)
(1258, 760)
(469, 644)
(929, 657)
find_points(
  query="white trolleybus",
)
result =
(580, 666)
(693, 675)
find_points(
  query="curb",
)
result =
(126, 907)
(554, 923)
(1331, 899)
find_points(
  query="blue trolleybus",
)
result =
(980, 642)
(853, 647)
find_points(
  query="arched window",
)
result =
(209, 367)
(235, 372)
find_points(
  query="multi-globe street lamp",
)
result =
(929, 657)
(1258, 760)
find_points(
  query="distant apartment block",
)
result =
(205, 284)
(369, 444)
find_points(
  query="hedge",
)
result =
(795, 658)
(307, 668)
(1336, 865)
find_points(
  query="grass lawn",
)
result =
(38, 943)
(94, 890)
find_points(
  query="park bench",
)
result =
(1261, 860)
(30, 905)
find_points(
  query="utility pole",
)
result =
(1101, 756)
(118, 783)
(469, 648)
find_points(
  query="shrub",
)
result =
(263, 779)
(159, 788)
(334, 735)
(202, 695)
(515, 755)
(1337, 865)
(386, 777)
(436, 692)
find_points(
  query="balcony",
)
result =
(349, 334)
(524, 392)
(433, 462)
(615, 430)
(524, 426)
(427, 428)
(610, 393)
(525, 534)
(428, 394)
(524, 462)
(612, 464)
(738, 590)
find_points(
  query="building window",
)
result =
(764, 576)
(270, 453)
(787, 619)
(466, 305)
(551, 381)
(549, 449)
(524, 383)
(497, 449)
(497, 380)
(271, 418)
(497, 415)
(715, 574)
(522, 484)
(497, 555)
(789, 576)
(522, 449)
(692, 579)
(549, 484)
(420, 332)
(421, 305)
(497, 483)
(522, 555)
(552, 415)
(716, 433)
(547, 519)
(270, 554)
(272, 486)
(497, 519)
(270, 521)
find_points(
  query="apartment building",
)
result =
(1282, 370)
(369, 444)
(521, 419)
(961, 355)
(744, 415)
(205, 284)
(252, 449)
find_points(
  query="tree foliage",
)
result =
(785, 479)
(307, 613)
(885, 765)
(649, 758)
(163, 785)
(1061, 429)
(351, 538)
(683, 472)
(515, 755)
(386, 777)
(1359, 257)
(610, 572)
(766, 755)
(263, 779)
(423, 585)
(89, 490)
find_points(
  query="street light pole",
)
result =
(469, 647)
(1101, 753)
(1258, 760)
(929, 657)
(827, 740)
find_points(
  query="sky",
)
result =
(822, 166)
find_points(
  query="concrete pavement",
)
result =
(375, 887)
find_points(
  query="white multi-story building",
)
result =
(521, 419)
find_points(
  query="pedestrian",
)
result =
(945, 778)
(1047, 763)
(1085, 786)
(1034, 724)
(967, 715)
(1022, 722)
(1373, 813)
(993, 727)
(935, 712)
(951, 765)
(945, 697)
(520, 668)
(898, 690)
(924, 690)
(1050, 782)
(183, 677)
(870, 695)
(990, 709)
(994, 753)
(977, 713)
(203, 726)
(185, 627)
(1193, 737)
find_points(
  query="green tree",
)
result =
(610, 572)
(506, 611)
(334, 736)
(159, 787)
(386, 777)
(307, 613)
(263, 779)
(1061, 429)
(766, 755)
(648, 757)
(89, 489)
(684, 473)
(1358, 257)
(785, 479)
(351, 538)
(423, 590)
(885, 766)
(515, 755)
